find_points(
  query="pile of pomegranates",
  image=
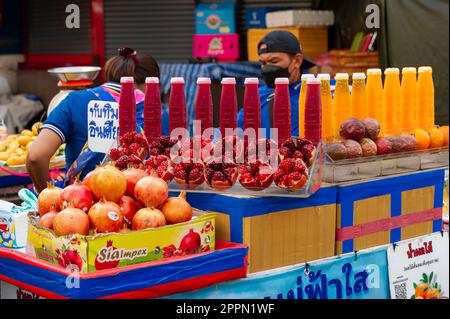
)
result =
(111, 200)
(132, 151)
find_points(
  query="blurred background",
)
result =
(211, 38)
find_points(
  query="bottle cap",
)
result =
(392, 70)
(341, 76)
(358, 76)
(126, 79)
(177, 80)
(203, 81)
(425, 69)
(313, 81)
(323, 76)
(409, 70)
(151, 80)
(373, 71)
(228, 81)
(251, 81)
(307, 76)
(281, 81)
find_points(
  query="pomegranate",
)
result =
(133, 175)
(291, 174)
(177, 209)
(256, 175)
(297, 147)
(47, 220)
(109, 183)
(129, 161)
(87, 179)
(161, 165)
(148, 218)
(263, 149)
(74, 258)
(220, 175)
(50, 196)
(79, 195)
(71, 221)
(151, 191)
(106, 217)
(131, 143)
(189, 173)
(198, 148)
(101, 264)
(230, 148)
(191, 242)
(128, 207)
(162, 146)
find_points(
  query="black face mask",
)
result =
(271, 72)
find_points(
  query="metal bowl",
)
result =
(76, 73)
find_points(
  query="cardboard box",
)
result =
(314, 40)
(388, 210)
(279, 231)
(13, 225)
(256, 17)
(300, 18)
(215, 18)
(146, 280)
(112, 250)
(221, 47)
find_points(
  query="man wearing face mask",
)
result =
(280, 55)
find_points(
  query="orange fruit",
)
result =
(432, 293)
(420, 290)
(444, 130)
(436, 137)
(422, 137)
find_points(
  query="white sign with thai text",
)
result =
(103, 125)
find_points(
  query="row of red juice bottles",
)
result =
(228, 107)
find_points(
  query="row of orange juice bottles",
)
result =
(398, 105)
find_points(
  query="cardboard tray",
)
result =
(112, 250)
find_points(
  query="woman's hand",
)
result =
(39, 155)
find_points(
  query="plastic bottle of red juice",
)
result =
(228, 105)
(313, 111)
(282, 109)
(204, 104)
(177, 104)
(127, 106)
(252, 106)
(152, 109)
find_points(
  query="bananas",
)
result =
(14, 149)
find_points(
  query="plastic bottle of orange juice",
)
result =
(301, 104)
(409, 99)
(341, 101)
(374, 92)
(328, 113)
(426, 97)
(392, 112)
(359, 98)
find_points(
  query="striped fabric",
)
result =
(216, 71)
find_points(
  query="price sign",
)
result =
(103, 125)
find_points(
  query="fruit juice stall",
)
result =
(179, 200)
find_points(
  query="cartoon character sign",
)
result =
(7, 236)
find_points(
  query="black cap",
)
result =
(283, 41)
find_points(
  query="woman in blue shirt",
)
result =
(67, 123)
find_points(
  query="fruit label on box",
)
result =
(418, 268)
(117, 250)
(103, 125)
(68, 251)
